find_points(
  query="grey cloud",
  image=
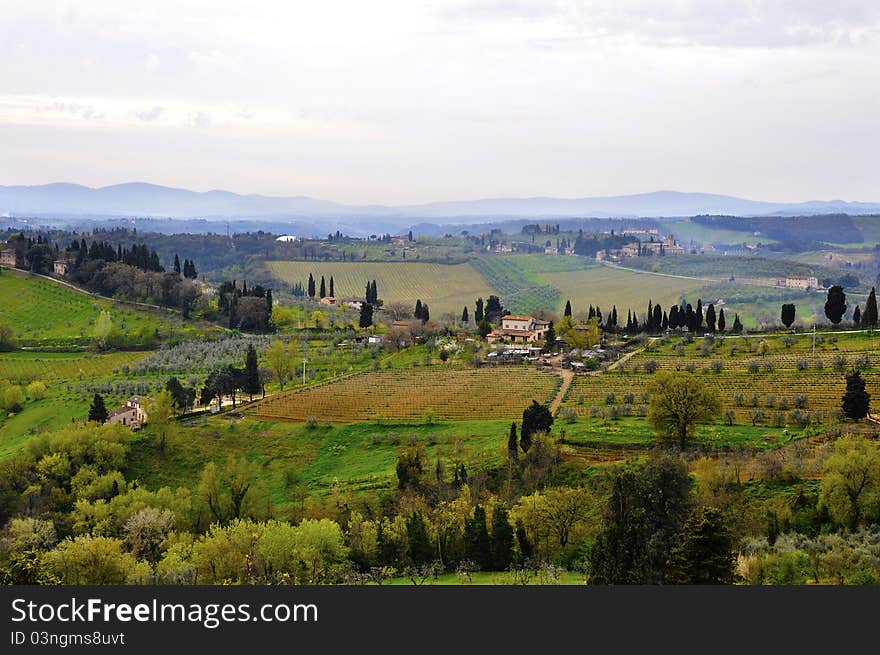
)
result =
(733, 24)
(200, 119)
(150, 114)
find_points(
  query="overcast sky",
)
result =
(400, 102)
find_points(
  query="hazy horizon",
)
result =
(405, 103)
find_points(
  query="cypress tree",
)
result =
(426, 313)
(722, 322)
(419, 549)
(698, 318)
(323, 288)
(366, 318)
(268, 305)
(332, 292)
(97, 410)
(512, 450)
(869, 316)
(835, 305)
(176, 264)
(737, 324)
(567, 311)
(787, 314)
(478, 311)
(657, 321)
(251, 372)
(856, 401)
(649, 317)
(550, 337)
(464, 315)
(311, 287)
(502, 540)
(857, 316)
(476, 539)
(710, 318)
(417, 313)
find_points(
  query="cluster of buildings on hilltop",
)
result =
(652, 248)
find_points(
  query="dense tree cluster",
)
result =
(249, 310)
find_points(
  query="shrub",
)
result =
(839, 363)
(610, 398)
(651, 366)
(801, 363)
(717, 365)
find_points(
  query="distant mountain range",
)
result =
(150, 200)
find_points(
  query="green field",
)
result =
(606, 286)
(446, 288)
(687, 231)
(357, 457)
(24, 367)
(47, 314)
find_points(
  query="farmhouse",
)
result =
(519, 329)
(286, 238)
(61, 266)
(804, 283)
(131, 413)
(9, 257)
(328, 300)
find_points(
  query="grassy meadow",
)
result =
(446, 288)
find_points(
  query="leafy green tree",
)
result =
(160, 412)
(103, 329)
(856, 402)
(494, 310)
(835, 304)
(705, 554)
(90, 560)
(678, 402)
(280, 360)
(7, 337)
(183, 396)
(483, 328)
(850, 490)
(97, 410)
(536, 419)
